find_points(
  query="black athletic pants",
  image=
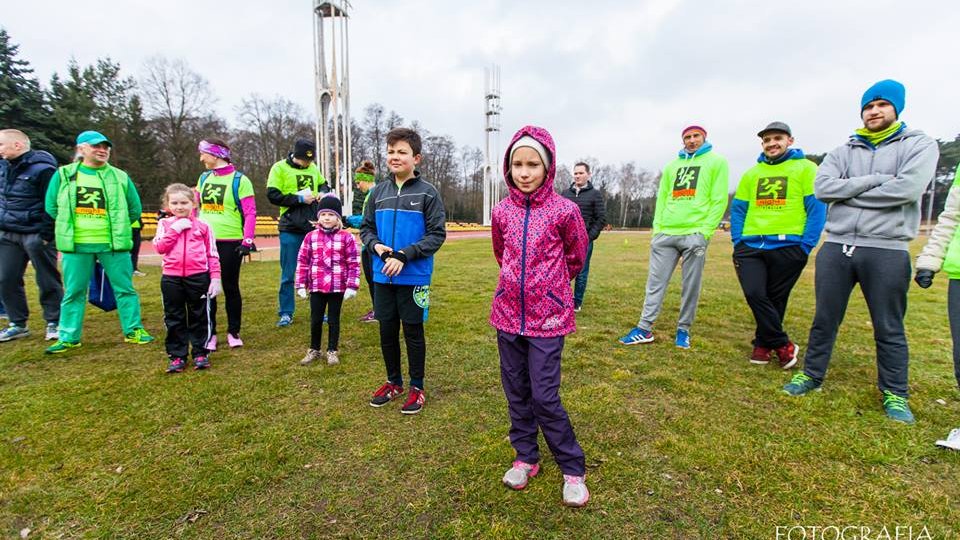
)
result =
(767, 276)
(230, 262)
(185, 313)
(319, 303)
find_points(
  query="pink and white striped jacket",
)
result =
(328, 262)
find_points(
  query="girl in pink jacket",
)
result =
(540, 242)
(191, 279)
(328, 268)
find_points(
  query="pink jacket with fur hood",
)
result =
(194, 251)
(540, 242)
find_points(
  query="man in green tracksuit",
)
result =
(93, 205)
(690, 204)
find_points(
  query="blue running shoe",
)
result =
(285, 320)
(636, 336)
(13, 332)
(682, 340)
(800, 384)
(897, 408)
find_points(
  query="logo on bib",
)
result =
(90, 202)
(685, 184)
(304, 181)
(772, 191)
(211, 197)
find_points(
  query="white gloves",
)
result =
(214, 289)
(349, 293)
(302, 293)
(181, 224)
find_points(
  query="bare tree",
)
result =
(178, 102)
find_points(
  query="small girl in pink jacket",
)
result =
(328, 268)
(191, 278)
(540, 242)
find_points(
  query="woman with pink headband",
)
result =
(227, 205)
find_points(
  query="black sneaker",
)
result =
(176, 365)
(385, 394)
(201, 362)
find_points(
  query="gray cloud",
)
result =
(613, 80)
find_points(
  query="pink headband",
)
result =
(694, 128)
(221, 152)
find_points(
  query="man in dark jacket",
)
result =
(295, 185)
(26, 233)
(594, 212)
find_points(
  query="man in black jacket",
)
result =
(594, 212)
(295, 185)
(26, 233)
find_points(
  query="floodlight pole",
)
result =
(491, 181)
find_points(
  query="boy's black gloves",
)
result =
(924, 278)
(399, 255)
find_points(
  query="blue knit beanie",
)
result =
(887, 90)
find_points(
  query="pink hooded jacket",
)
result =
(540, 242)
(194, 251)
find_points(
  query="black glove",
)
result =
(924, 278)
(244, 249)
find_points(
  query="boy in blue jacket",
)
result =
(404, 224)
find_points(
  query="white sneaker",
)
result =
(519, 474)
(53, 332)
(312, 354)
(953, 440)
(332, 358)
(575, 491)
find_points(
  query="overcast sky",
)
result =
(613, 80)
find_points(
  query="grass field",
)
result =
(100, 443)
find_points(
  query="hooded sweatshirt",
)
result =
(942, 251)
(874, 192)
(693, 194)
(774, 206)
(540, 242)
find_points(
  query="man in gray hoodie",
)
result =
(873, 185)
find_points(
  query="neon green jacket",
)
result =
(122, 205)
(692, 195)
(942, 251)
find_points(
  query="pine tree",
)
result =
(22, 104)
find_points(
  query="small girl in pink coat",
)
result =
(328, 268)
(540, 242)
(191, 278)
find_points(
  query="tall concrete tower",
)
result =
(332, 76)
